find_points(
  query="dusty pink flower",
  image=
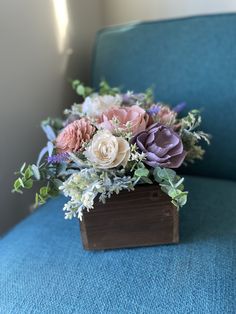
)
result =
(131, 118)
(71, 138)
(162, 114)
(166, 116)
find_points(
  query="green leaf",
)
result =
(21, 182)
(173, 193)
(146, 180)
(28, 173)
(80, 90)
(36, 202)
(171, 184)
(75, 83)
(179, 183)
(17, 185)
(182, 200)
(41, 200)
(28, 184)
(35, 171)
(141, 172)
(43, 191)
(22, 168)
(169, 173)
(161, 174)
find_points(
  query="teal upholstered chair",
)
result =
(43, 268)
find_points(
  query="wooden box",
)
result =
(142, 217)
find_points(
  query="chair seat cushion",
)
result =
(44, 269)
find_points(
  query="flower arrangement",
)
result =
(112, 141)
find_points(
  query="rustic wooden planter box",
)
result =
(142, 217)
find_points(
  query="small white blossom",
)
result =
(95, 105)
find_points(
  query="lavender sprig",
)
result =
(56, 159)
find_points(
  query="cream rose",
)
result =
(95, 105)
(108, 151)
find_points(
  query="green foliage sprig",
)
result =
(81, 89)
(24, 181)
(106, 89)
(191, 136)
(171, 184)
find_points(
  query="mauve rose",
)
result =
(163, 147)
(71, 138)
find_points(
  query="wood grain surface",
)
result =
(142, 217)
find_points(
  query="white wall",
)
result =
(39, 50)
(122, 11)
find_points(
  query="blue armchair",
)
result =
(43, 267)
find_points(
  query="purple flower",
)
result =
(56, 159)
(153, 110)
(163, 147)
(178, 108)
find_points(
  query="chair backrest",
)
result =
(190, 59)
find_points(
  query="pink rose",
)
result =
(71, 138)
(131, 118)
(162, 114)
(166, 116)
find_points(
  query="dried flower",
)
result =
(161, 145)
(162, 114)
(108, 151)
(133, 118)
(74, 135)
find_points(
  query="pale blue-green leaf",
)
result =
(22, 168)
(36, 172)
(179, 182)
(41, 155)
(141, 172)
(51, 136)
(50, 148)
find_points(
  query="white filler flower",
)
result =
(94, 105)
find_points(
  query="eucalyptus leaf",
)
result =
(80, 90)
(51, 136)
(17, 185)
(21, 182)
(43, 191)
(146, 180)
(22, 168)
(28, 173)
(28, 184)
(141, 172)
(50, 148)
(36, 172)
(41, 155)
(179, 183)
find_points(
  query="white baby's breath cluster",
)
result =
(135, 155)
(83, 188)
(76, 109)
(95, 104)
